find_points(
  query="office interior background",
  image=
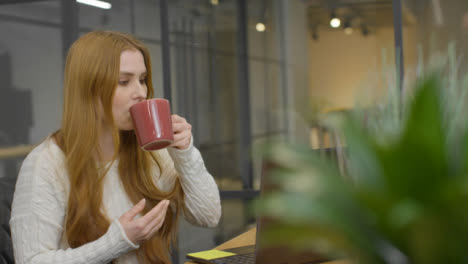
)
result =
(241, 71)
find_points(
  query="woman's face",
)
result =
(131, 88)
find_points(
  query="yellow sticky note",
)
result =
(211, 254)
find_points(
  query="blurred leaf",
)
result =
(405, 200)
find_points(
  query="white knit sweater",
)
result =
(41, 196)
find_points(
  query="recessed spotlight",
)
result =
(260, 27)
(335, 22)
(348, 30)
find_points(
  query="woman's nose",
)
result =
(140, 91)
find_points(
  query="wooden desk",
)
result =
(247, 239)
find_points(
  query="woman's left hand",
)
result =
(182, 132)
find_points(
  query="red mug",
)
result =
(152, 123)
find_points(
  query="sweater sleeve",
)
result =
(37, 220)
(202, 203)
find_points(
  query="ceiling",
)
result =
(372, 14)
(3, 2)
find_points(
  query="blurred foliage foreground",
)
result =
(403, 200)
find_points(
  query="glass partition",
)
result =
(351, 56)
(31, 69)
(218, 48)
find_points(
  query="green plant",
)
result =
(405, 199)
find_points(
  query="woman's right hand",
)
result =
(143, 228)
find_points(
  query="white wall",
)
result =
(340, 64)
(346, 69)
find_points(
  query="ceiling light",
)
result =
(214, 2)
(315, 36)
(348, 30)
(335, 22)
(95, 3)
(364, 30)
(260, 27)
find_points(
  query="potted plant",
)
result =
(404, 196)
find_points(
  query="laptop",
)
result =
(258, 254)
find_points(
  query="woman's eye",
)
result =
(124, 82)
(143, 81)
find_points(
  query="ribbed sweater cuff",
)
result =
(119, 239)
(186, 159)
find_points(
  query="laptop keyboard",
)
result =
(236, 259)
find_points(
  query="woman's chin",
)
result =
(126, 127)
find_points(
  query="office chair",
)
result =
(7, 188)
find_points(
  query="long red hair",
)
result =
(91, 76)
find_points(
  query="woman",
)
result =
(88, 193)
